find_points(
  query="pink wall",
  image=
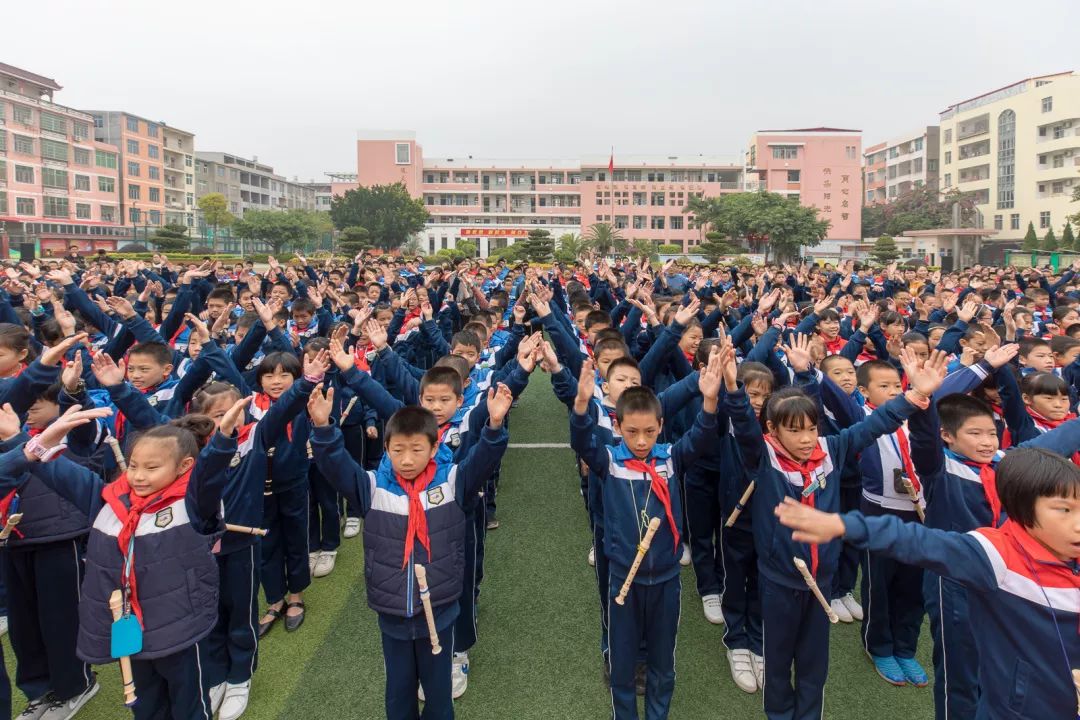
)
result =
(376, 163)
(830, 175)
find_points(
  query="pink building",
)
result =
(58, 186)
(821, 167)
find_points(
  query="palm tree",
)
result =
(643, 247)
(603, 237)
(571, 246)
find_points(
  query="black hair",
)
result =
(1043, 383)
(442, 375)
(16, 338)
(221, 293)
(1026, 474)
(51, 394)
(914, 338)
(639, 398)
(828, 314)
(316, 344)
(624, 361)
(790, 407)
(1027, 344)
(285, 360)
(460, 365)
(755, 373)
(246, 321)
(957, 409)
(609, 333)
(160, 353)
(597, 317)
(186, 443)
(1060, 311)
(302, 305)
(610, 343)
(829, 360)
(466, 337)
(200, 426)
(862, 374)
(412, 420)
(1061, 344)
(209, 393)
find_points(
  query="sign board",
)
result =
(492, 232)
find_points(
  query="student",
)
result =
(635, 473)
(791, 460)
(1022, 582)
(413, 501)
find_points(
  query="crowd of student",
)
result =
(191, 436)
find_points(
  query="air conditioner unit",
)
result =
(1067, 123)
(1068, 153)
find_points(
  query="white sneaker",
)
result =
(742, 670)
(313, 558)
(35, 708)
(592, 557)
(236, 701)
(759, 669)
(853, 607)
(685, 559)
(352, 527)
(217, 694)
(325, 564)
(713, 614)
(66, 709)
(841, 611)
(3, 625)
(420, 693)
(459, 677)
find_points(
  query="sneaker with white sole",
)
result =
(841, 611)
(36, 708)
(853, 607)
(352, 528)
(217, 694)
(325, 564)
(711, 605)
(67, 709)
(420, 693)
(759, 669)
(312, 559)
(592, 557)
(685, 559)
(742, 670)
(236, 700)
(3, 625)
(459, 676)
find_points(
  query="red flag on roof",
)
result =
(611, 162)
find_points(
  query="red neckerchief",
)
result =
(988, 478)
(129, 512)
(1006, 436)
(121, 421)
(585, 341)
(806, 469)
(689, 358)
(659, 488)
(1049, 571)
(410, 315)
(834, 346)
(5, 507)
(417, 528)
(583, 279)
(360, 356)
(263, 402)
(177, 334)
(1047, 424)
(905, 453)
(442, 432)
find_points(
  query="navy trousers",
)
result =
(956, 656)
(285, 547)
(324, 525)
(795, 632)
(172, 687)
(465, 625)
(231, 648)
(892, 600)
(848, 570)
(704, 522)
(602, 578)
(409, 662)
(741, 603)
(43, 615)
(650, 615)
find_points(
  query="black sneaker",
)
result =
(639, 679)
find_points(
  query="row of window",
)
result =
(48, 121)
(135, 193)
(1014, 221)
(54, 150)
(643, 222)
(55, 207)
(55, 178)
(133, 124)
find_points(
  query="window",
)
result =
(53, 150)
(155, 194)
(869, 196)
(24, 145)
(24, 206)
(108, 213)
(155, 217)
(1059, 132)
(55, 207)
(24, 174)
(948, 156)
(187, 161)
(133, 215)
(151, 129)
(657, 198)
(153, 172)
(53, 178)
(187, 179)
(152, 151)
(403, 156)
(918, 144)
(1059, 161)
(948, 136)
(105, 159)
(656, 222)
(1044, 219)
(3, 202)
(3, 139)
(53, 123)
(931, 165)
(81, 131)
(221, 173)
(133, 124)
(998, 224)
(1047, 104)
(81, 156)
(793, 176)
(82, 182)
(133, 169)
(1006, 178)
(134, 192)
(133, 147)
(22, 114)
(852, 152)
(82, 211)
(785, 152)
(106, 185)
(639, 222)
(1014, 221)
(676, 222)
(916, 165)
(948, 180)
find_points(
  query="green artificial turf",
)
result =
(538, 651)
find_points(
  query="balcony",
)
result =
(973, 127)
(975, 174)
(1056, 131)
(974, 150)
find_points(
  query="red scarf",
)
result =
(263, 402)
(689, 358)
(121, 421)
(834, 346)
(417, 528)
(1006, 436)
(659, 488)
(1047, 424)
(904, 447)
(410, 315)
(806, 469)
(5, 508)
(18, 370)
(988, 478)
(129, 512)
(360, 356)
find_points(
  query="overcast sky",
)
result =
(292, 82)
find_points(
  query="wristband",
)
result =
(921, 401)
(314, 379)
(42, 453)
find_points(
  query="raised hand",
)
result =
(10, 424)
(729, 365)
(549, 360)
(53, 355)
(968, 311)
(766, 303)
(924, 377)
(823, 304)
(376, 334)
(798, 353)
(948, 302)
(868, 316)
(106, 370)
(341, 357)
(586, 387)
(540, 307)
(120, 306)
(198, 327)
(233, 416)
(688, 312)
(315, 366)
(1001, 355)
(72, 374)
(710, 377)
(499, 401)
(59, 428)
(60, 277)
(427, 311)
(320, 405)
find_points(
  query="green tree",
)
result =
(1068, 240)
(1031, 240)
(643, 247)
(714, 247)
(921, 208)
(354, 240)
(215, 210)
(171, 239)
(1050, 243)
(293, 229)
(539, 246)
(466, 248)
(604, 238)
(513, 253)
(390, 215)
(571, 246)
(885, 250)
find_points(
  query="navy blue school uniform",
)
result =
(1025, 602)
(795, 630)
(176, 539)
(388, 562)
(651, 610)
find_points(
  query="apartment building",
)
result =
(249, 184)
(1017, 149)
(179, 171)
(495, 201)
(58, 186)
(895, 167)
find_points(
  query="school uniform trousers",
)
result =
(285, 547)
(848, 571)
(410, 661)
(172, 687)
(324, 525)
(741, 600)
(465, 632)
(704, 523)
(43, 583)
(795, 632)
(892, 595)
(650, 616)
(956, 656)
(231, 648)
